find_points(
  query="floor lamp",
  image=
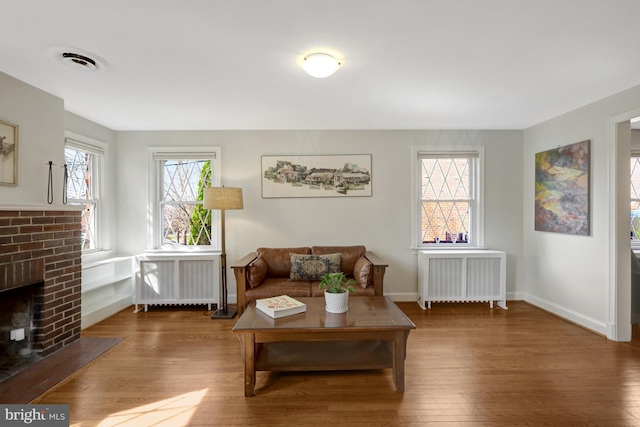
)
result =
(223, 198)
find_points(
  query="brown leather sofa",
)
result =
(267, 272)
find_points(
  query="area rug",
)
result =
(29, 383)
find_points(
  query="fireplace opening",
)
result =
(17, 310)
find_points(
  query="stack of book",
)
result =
(281, 306)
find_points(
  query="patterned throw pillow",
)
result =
(312, 267)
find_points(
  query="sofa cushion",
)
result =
(350, 255)
(273, 287)
(313, 267)
(362, 272)
(256, 272)
(278, 260)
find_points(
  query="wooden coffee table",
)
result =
(371, 335)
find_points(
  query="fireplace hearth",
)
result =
(40, 284)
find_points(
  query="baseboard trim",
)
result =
(395, 296)
(579, 319)
(402, 296)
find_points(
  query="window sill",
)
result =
(448, 247)
(95, 256)
(183, 251)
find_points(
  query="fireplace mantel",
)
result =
(41, 208)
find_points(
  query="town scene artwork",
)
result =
(562, 189)
(316, 176)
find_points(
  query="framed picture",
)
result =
(8, 154)
(562, 189)
(337, 175)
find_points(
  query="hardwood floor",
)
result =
(467, 365)
(37, 378)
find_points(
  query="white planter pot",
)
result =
(336, 303)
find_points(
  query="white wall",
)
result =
(565, 274)
(39, 116)
(381, 222)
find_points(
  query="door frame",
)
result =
(619, 328)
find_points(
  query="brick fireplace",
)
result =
(42, 250)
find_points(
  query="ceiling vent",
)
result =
(76, 60)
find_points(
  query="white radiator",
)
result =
(457, 275)
(177, 279)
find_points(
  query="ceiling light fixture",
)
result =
(320, 65)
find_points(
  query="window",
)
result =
(448, 199)
(180, 221)
(635, 199)
(83, 162)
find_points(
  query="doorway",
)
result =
(620, 261)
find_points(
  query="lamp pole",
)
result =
(224, 312)
(223, 198)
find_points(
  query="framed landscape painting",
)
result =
(562, 189)
(337, 175)
(8, 154)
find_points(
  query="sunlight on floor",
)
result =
(174, 412)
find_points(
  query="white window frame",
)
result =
(476, 222)
(156, 155)
(99, 151)
(635, 244)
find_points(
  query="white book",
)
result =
(280, 306)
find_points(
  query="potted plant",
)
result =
(336, 294)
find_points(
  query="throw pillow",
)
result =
(256, 272)
(362, 272)
(312, 267)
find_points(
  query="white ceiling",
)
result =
(407, 64)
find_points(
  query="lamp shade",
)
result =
(320, 65)
(224, 198)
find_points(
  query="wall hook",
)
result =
(50, 184)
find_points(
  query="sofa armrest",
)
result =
(379, 268)
(240, 271)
